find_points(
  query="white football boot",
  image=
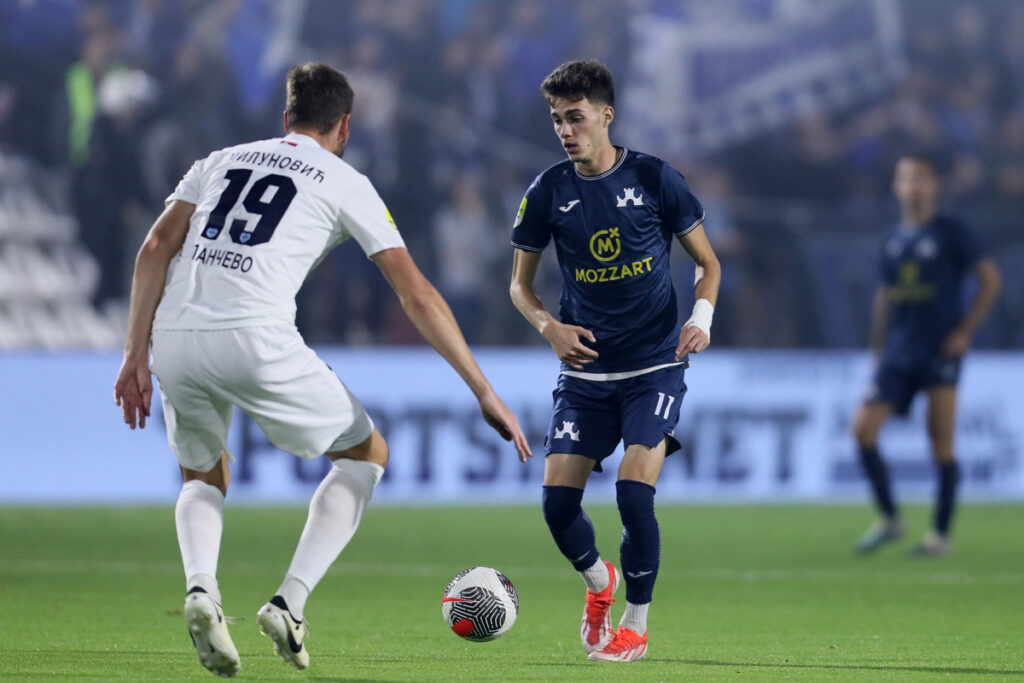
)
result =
(209, 630)
(885, 530)
(933, 544)
(287, 634)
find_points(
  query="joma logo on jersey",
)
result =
(606, 245)
(628, 195)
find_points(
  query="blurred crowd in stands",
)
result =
(118, 97)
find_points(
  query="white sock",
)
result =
(635, 617)
(597, 576)
(334, 514)
(199, 518)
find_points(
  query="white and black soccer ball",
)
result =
(480, 604)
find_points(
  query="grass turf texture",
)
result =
(745, 593)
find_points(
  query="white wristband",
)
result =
(701, 316)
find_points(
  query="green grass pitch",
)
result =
(745, 593)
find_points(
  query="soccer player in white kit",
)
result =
(214, 293)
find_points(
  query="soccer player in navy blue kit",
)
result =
(920, 333)
(613, 214)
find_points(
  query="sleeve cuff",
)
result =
(693, 226)
(527, 248)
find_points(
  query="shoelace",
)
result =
(600, 603)
(620, 643)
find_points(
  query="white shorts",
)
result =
(270, 374)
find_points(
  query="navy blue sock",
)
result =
(878, 476)
(945, 502)
(570, 526)
(640, 552)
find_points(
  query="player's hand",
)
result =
(956, 343)
(133, 391)
(691, 340)
(565, 340)
(505, 423)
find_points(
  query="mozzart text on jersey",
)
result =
(285, 162)
(614, 272)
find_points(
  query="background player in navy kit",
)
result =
(612, 213)
(919, 336)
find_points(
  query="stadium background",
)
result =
(786, 116)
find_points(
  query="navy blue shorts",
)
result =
(898, 386)
(590, 418)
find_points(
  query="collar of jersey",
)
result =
(300, 139)
(613, 169)
(910, 231)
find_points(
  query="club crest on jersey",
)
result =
(926, 249)
(568, 430)
(629, 195)
(606, 245)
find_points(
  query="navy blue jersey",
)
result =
(613, 233)
(924, 270)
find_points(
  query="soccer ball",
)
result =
(480, 604)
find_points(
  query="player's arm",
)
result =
(879, 320)
(696, 333)
(433, 318)
(564, 339)
(989, 284)
(133, 390)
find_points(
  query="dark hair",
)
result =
(922, 158)
(318, 96)
(580, 78)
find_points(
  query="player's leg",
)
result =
(335, 511)
(640, 550)
(565, 476)
(197, 426)
(304, 409)
(867, 423)
(583, 431)
(650, 411)
(334, 514)
(892, 392)
(941, 426)
(199, 520)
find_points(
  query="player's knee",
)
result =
(561, 505)
(217, 476)
(381, 453)
(636, 502)
(374, 449)
(864, 429)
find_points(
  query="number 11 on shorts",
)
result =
(668, 406)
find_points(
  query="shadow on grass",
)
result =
(62, 674)
(948, 670)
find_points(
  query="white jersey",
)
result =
(266, 214)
